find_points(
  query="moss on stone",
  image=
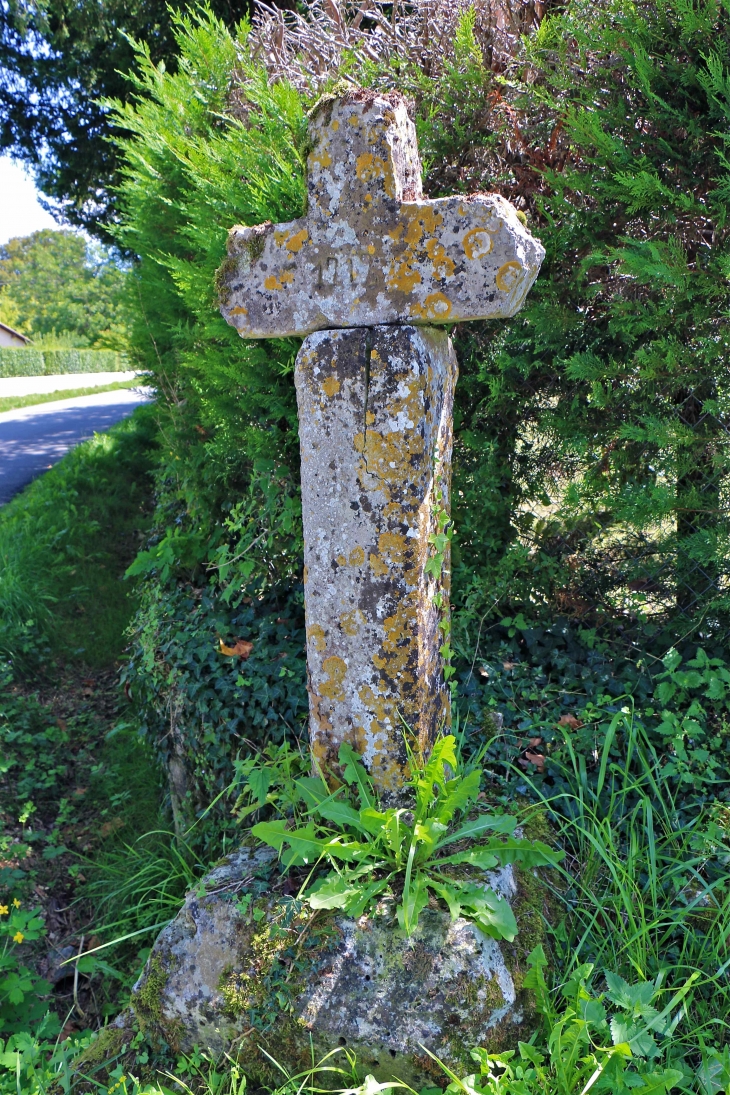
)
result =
(107, 1045)
(148, 1010)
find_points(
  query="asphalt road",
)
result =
(33, 439)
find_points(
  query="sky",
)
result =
(20, 212)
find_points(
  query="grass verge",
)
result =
(15, 402)
(65, 543)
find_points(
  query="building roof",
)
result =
(12, 331)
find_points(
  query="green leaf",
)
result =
(259, 780)
(428, 833)
(485, 823)
(340, 814)
(443, 752)
(273, 833)
(448, 894)
(355, 775)
(312, 790)
(332, 892)
(528, 853)
(374, 821)
(490, 912)
(535, 979)
(414, 903)
(306, 846)
(357, 905)
(631, 997)
(396, 832)
(458, 794)
(659, 1083)
(475, 857)
(351, 851)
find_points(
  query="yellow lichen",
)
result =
(335, 668)
(509, 275)
(331, 386)
(316, 635)
(477, 243)
(297, 241)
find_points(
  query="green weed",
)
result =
(370, 849)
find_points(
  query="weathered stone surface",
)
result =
(375, 412)
(371, 250)
(220, 980)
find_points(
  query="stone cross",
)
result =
(367, 275)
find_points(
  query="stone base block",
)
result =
(250, 971)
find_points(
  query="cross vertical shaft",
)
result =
(375, 413)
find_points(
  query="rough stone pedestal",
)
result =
(375, 412)
(290, 983)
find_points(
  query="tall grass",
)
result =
(647, 881)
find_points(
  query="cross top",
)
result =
(371, 250)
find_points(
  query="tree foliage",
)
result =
(591, 455)
(59, 61)
(58, 287)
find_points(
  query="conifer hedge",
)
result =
(27, 361)
(591, 462)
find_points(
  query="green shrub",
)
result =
(21, 361)
(25, 361)
(84, 361)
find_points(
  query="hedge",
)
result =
(25, 361)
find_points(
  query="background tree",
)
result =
(58, 284)
(59, 59)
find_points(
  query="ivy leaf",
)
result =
(259, 780)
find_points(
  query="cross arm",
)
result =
(371, 250)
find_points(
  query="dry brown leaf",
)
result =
(241, 649)
(569, 720)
